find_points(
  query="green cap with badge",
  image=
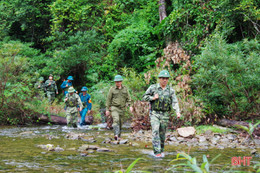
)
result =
(118, 78)
(164, 73)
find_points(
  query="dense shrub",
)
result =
(228, 78)
(15, 85)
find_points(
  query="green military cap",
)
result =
(71, 90)
(51, 75)
(118, 78)
(164, 73)
(41, 79)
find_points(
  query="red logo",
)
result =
(236, 161)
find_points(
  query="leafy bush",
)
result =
(15, 85)
(192, 21)
(228, 78)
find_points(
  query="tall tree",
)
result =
(162, 10)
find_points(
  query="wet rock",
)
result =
(203, 143)
(220, 147)
(202, 139)
(83, 148)
(257, 142)
(74, 136)
(87, 139)
(173, 139)
(135, 144)
(115, 142)
(27, 133)
(208, 132)
(50, 137)
(180, 138)
(58, 149)
(186, 131)
(93, 147)
(103, 150)
(107, 140)
(91, 151)
(253, 151)
(123, 141)
(214, 140)
(49, 147)
(84, 154)
(231, 137)
(87, 147)
(224, 140)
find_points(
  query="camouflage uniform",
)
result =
(159, 113)
(117, 100)
(71, 111)
(40, 86)
(51, 90)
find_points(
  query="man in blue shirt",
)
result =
(66, 84)
(87, 104)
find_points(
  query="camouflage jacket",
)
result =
(167, 98)
(41, 84)
(52, 87)
(118, 97)
(73, 100)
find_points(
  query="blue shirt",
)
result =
(86, 100)
(64, 87)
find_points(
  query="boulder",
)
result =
(123, 141)
(103, 150)
(186, 131)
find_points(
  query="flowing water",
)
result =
(19, 152)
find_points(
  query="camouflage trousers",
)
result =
(117, 114)
(50, 96)
(72, 116)
(159, 123)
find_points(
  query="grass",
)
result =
(215, 129)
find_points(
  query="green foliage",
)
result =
(15, 86)
(228, 78)
(192, 21)
(203, 128)
(250, 129)
(136, 45)
(99, 93)
(130, 167)
(71, 16)
(81, 56)
(135, 83)
(192, 163)
(27, 21)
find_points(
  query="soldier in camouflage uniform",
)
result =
(51, 89)
(72, 101)
(162, 98)
(39, 85)
(118, 98)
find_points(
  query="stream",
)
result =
(22, 150)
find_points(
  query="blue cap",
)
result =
(70, 78)
(84, 89)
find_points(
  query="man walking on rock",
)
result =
(72, 101)
(162, 99)
(118, 98)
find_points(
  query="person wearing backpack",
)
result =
(162, 99)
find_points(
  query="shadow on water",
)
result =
(19, 152)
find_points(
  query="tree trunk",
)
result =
(162, 10)
(231, 123)
(54, 119)
(163, 15)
